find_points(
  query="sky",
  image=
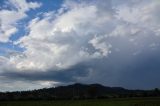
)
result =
(46, 43)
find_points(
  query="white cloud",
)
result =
(11, 85)
(78, 32)
(100, 45)
(61, 40)
(24, 6)
(66, 40)
(144, 14)
(9, 18)
(126, 29)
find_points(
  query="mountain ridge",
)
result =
(78, 91)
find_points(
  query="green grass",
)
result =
(104, 102)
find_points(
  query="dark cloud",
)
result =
(120, 68)
(124, 68)
(63, 76)
(143, 72)
(107, 45)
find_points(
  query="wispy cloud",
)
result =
(9, 17)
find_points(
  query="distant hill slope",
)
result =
(78, 91)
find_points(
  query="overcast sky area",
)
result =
(46, 43)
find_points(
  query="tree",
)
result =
(92, 91)
(156, 92)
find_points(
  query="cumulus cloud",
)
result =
(80, 40)
(144, 15)
(9, 17)
(67, 39)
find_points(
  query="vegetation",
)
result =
(78, 92)
(95, 102)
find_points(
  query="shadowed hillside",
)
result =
(78, 91)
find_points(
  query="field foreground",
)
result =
(102, 102)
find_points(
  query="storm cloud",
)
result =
(115, 43)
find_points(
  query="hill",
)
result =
(78, 91)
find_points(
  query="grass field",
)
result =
(104, 102)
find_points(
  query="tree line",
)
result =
(78, 91)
